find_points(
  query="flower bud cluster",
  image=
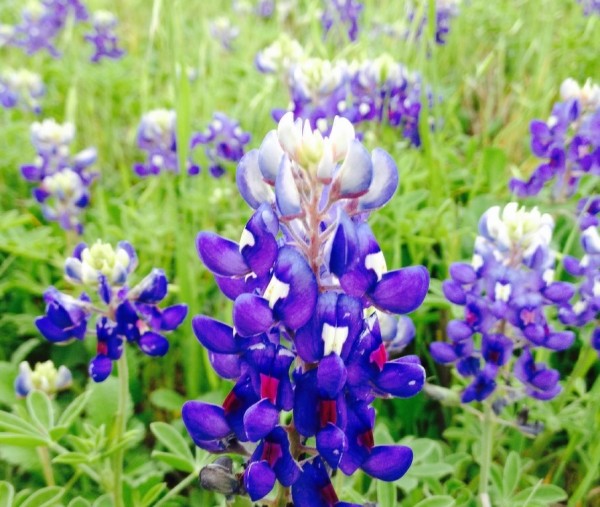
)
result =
(224, 32)
(63, 180)
(569, 142)
(506, 291)
(21, 88)
(224, 142)
(122, 314)
(379, 90)
(584, 308)
(103, 37)
(308, 282)
(44, 377)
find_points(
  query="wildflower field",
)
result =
(299, 252)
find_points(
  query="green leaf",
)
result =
(104, 501)
(386, 494)
(16, 424)
(72, 458)
(20, 497)
(7, 493)
(22, 440)
(172, 440)
(40, 409)
(543, 493)
(152, 494)
(167, 399)
(58, 432)
(103, 401)
(45, 497)
(79, 502)
(74, 409)
(434, 470)
(437, 501)
(511, 474)
(177, 462)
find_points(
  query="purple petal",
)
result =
(401, 379)
(458, 330)
(153, 344)
(258, 245)
(204, 421)
(344, 246)
(355, 174)
(401, 291)
(331, 375)
(331, 443)
(251, 315)
(454, 292)
(221, 256)
(384, 183)
(100, 368)
(214, 335)
(559, 292)
(442, 352)
(225, 365)
(388, 462)
(286, 191)
(172, 317)
(462, 273)
(250, 181)
(269, 157)
(294, 289)
(260, 419)
(259, 480)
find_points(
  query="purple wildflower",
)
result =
(505, 291)
(445, 10)
(157, 137)
(341, 16)
(63, 180)
(104, 39)
(569, 142)
(308, 281)
(224, 141)
(590, 6)
(585, 306)
(21, 88)
(124, 314)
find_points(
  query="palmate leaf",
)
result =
(172, 440)
(174, 460)
(72, 412)
(22, 440)
(45, 497)
(15, 424)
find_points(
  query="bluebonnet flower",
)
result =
(569, 142)
(505, 291)
(224, 141)
(157, 136)
(380, 90)
(21, 88)
(341, 16)
(7, 33)
(445, 10)
(308, 281)
(224, 32)
(590, 6)
(123, 314)
(585, 306)
(63, 180)
(44, 377)
(278, 57)
(104, 39)
(42, 22)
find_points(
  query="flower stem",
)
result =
(176, 489)
(487, 436)
(120, 426)
(44, 456)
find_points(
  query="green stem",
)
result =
(487, 442)
(594, 466)
(174, 491)
(59, 449)
(44, 456)
(120, 426)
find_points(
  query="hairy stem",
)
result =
(44, 455)
(120, 426)
(487, 437)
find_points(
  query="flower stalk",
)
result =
(487, 437)
(120, 427)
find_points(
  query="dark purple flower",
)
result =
(340, 17)
(103, 38)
